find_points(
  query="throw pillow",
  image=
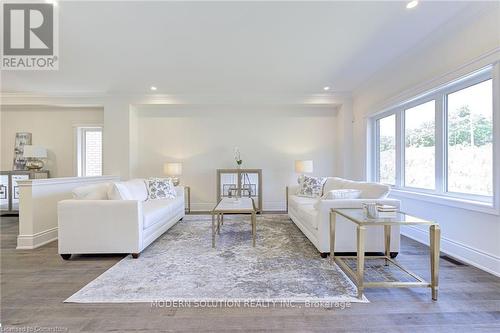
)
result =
(161, 188)
(342, 194)
(118, 191)
(311, 187)
(91, 192)
(134, 189)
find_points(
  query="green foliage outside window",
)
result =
(462, 125)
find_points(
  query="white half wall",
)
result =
(52, 128)
(203, 139)
(38, 207)
(454, 50)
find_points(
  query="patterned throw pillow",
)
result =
(311, 187)
(161, 188)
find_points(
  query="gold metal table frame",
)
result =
(401, 220)
(218, 217)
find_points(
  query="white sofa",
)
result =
(115, 218)
(312, 216)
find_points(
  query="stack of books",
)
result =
(386, 211)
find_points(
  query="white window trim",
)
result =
(79, 158)
(490, 205)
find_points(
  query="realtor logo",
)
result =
(30, 40)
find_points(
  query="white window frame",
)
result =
(80, 131)
(439, 194)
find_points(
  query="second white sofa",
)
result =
(102, 220)
(312, 216)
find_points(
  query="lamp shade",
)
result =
(172, 169)
(304, 166)
(35, 151)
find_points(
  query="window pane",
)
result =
(470, 140)
(420, 146)
(93, 153)
(387, 150)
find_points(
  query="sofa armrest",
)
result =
(103, 225)
(290, 190)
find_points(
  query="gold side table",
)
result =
(399, 219)
(187, 194)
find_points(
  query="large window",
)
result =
(89, 151)
(440, 142)
(387, 149)
(470, 139)
(420, 141)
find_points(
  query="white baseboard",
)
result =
(202, 206)
(274, 206)
(472, 256)
(29, 242)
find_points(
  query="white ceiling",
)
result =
(229, 48)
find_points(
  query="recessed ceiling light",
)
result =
(153, 88)
(412, 4)
(326, 88)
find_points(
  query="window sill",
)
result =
(482, 207)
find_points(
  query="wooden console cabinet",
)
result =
(241, 182)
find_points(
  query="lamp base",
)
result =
(34, 164)
(176, 181)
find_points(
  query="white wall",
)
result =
(51, 127)
(447, 54)
(203, 139)
(115, 137)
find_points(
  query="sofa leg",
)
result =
(394, 254)
(135, 255)
(323, 254)
(66, 256)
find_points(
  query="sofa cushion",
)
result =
(342, 194)
(295, 200)
(308, 215)
(156, 211)
(159, 210)
(333, 183)
(369, 190)
(134, 189)
(161, 188)
(91, 192)
(311, 187)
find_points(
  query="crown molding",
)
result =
(73, 99)
(99, 99)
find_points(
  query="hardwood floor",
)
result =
(35, 283)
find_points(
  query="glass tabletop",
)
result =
(230, 204)
(357, 216)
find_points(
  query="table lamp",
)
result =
(34, 154)
(302, 167)
(173, 170)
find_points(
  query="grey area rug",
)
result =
(181, 265)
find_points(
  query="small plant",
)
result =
(237, 156)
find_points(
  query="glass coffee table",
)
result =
(230, 206)
(357, 217)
